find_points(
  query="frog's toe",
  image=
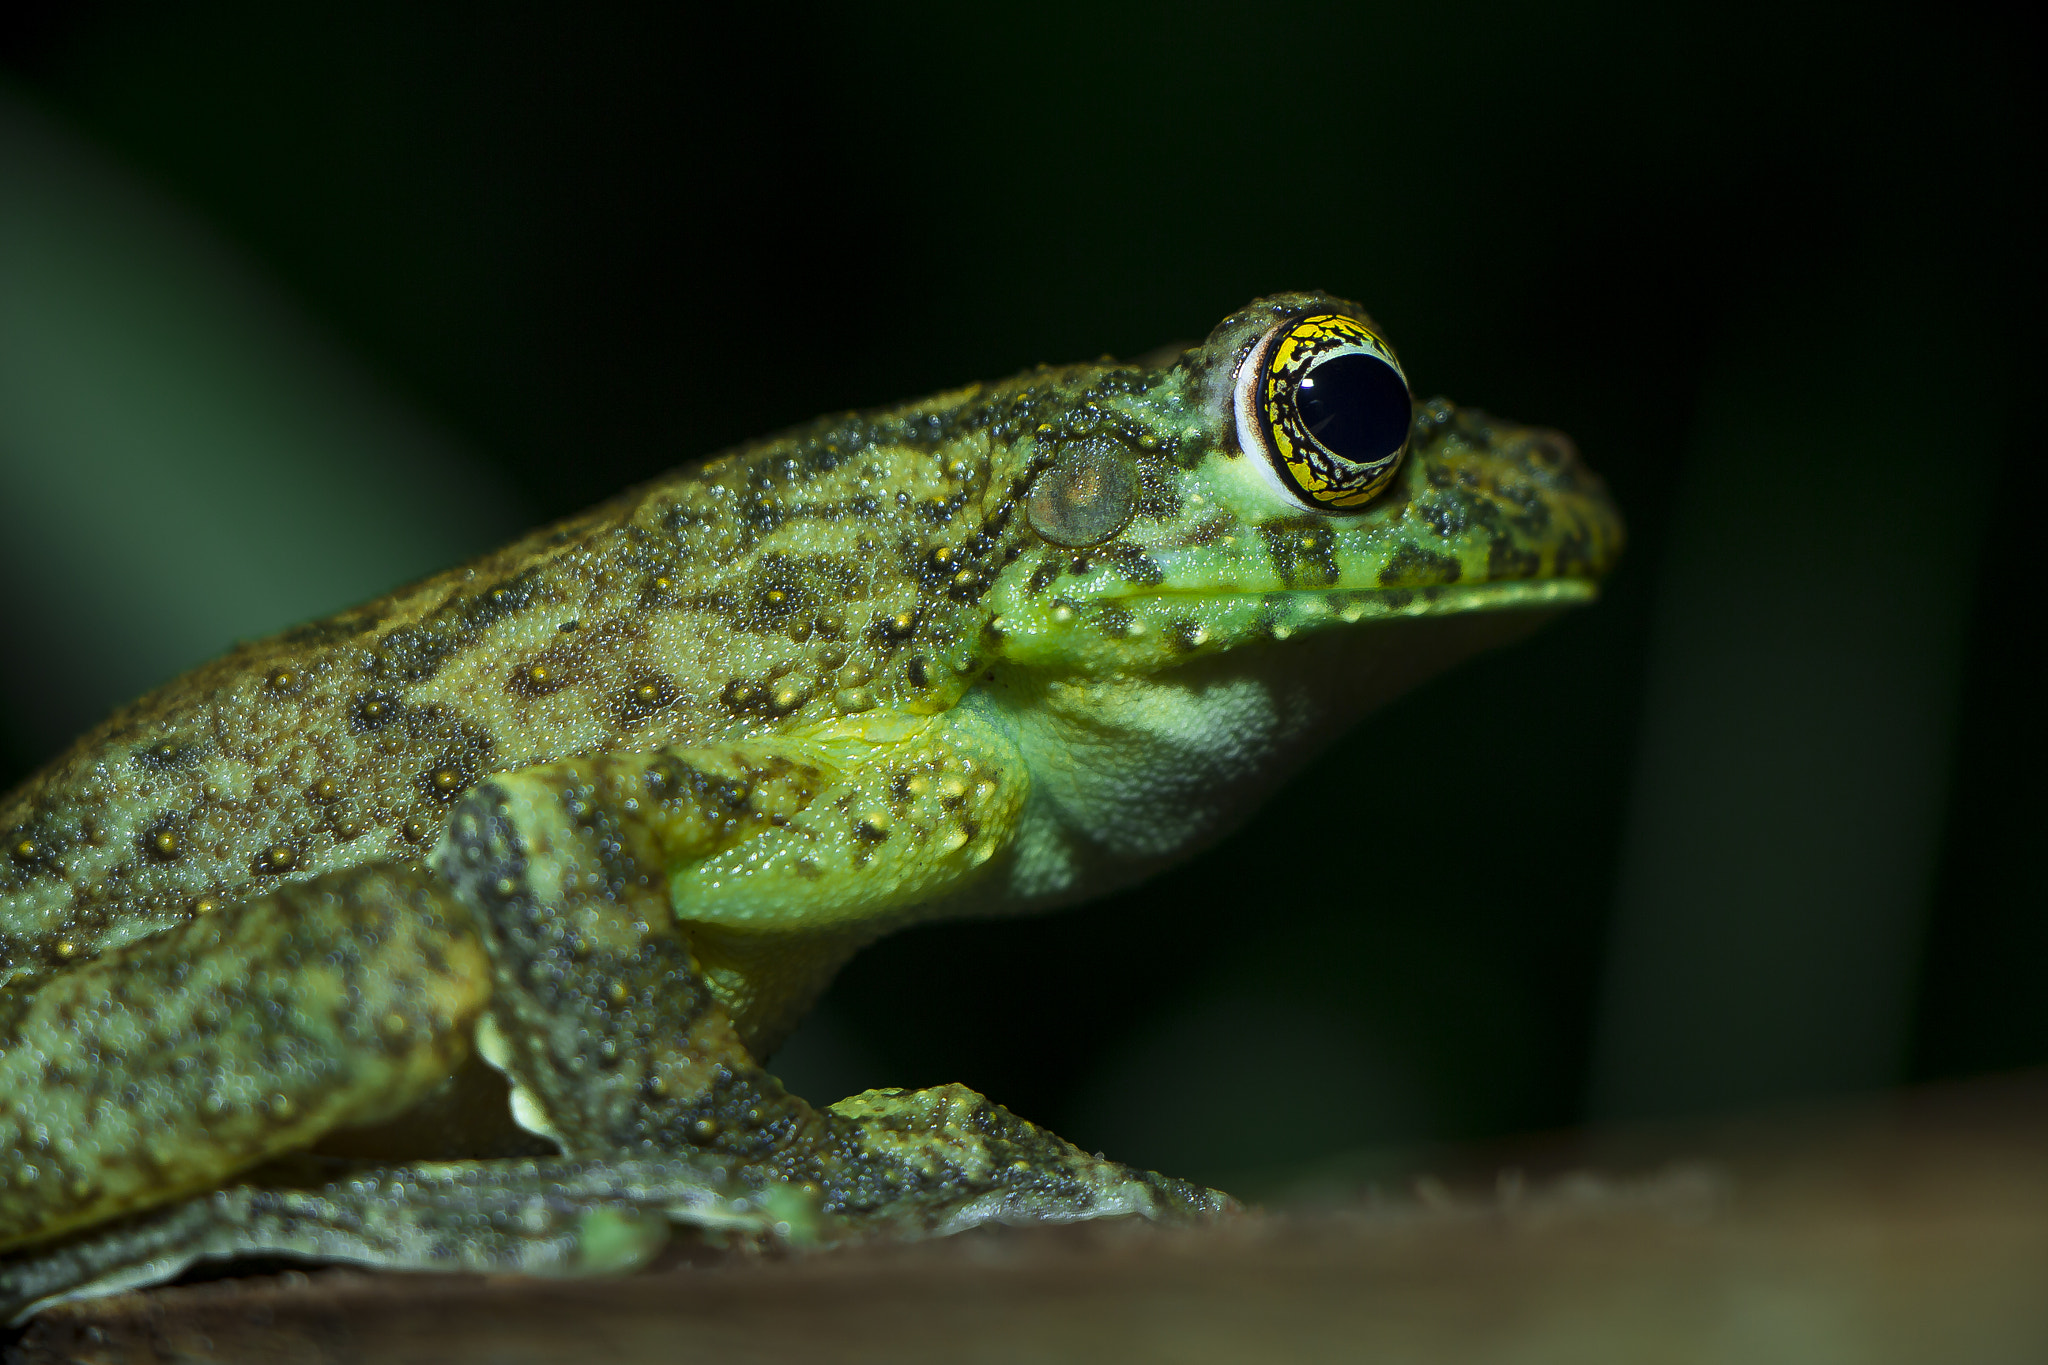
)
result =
(940, 1161)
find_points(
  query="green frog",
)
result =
(453, 932)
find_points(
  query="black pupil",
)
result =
(1356, 405)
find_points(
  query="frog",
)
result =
(458, 931)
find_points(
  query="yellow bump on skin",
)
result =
(447, 779)
(64, 947)
(205, 905)
(854, 699)
(874, 825)
(537, 675)
(1062, 613)
(25, 850)
(279, 858)
(164, 844)
(281, 680)
(326, 789)
(415, 830)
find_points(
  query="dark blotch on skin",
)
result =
(1136, 566)
(1304, 552)
(167, 756)
(1505, 561)
(374, 711)
(1114, 621)
(164, 839)
(416, 652)
(1445, 515)
(1414, 567)
(645, 695)
(539, 677)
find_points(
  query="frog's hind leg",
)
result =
(182, 1061)
(539, 1216)
(167, 1066)
(617, 1044)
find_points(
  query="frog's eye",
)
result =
(1324, 401)
(1085, 497)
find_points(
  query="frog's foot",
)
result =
(939, 1161)
(616, 1042)
(549, 1216)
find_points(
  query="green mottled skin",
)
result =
(698, 745)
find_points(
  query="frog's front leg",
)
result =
(652, 915)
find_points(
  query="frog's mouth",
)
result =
(1145, 629)
(1315, 607)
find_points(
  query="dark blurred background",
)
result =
(299, 302)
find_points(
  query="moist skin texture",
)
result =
(450, 932)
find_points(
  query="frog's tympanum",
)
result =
(453, 932)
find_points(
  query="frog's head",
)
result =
(1278, 481)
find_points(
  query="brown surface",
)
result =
(1915, 1230)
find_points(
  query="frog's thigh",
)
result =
(164, 1067)
(616, 1043)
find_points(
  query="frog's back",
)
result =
(770, 589)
